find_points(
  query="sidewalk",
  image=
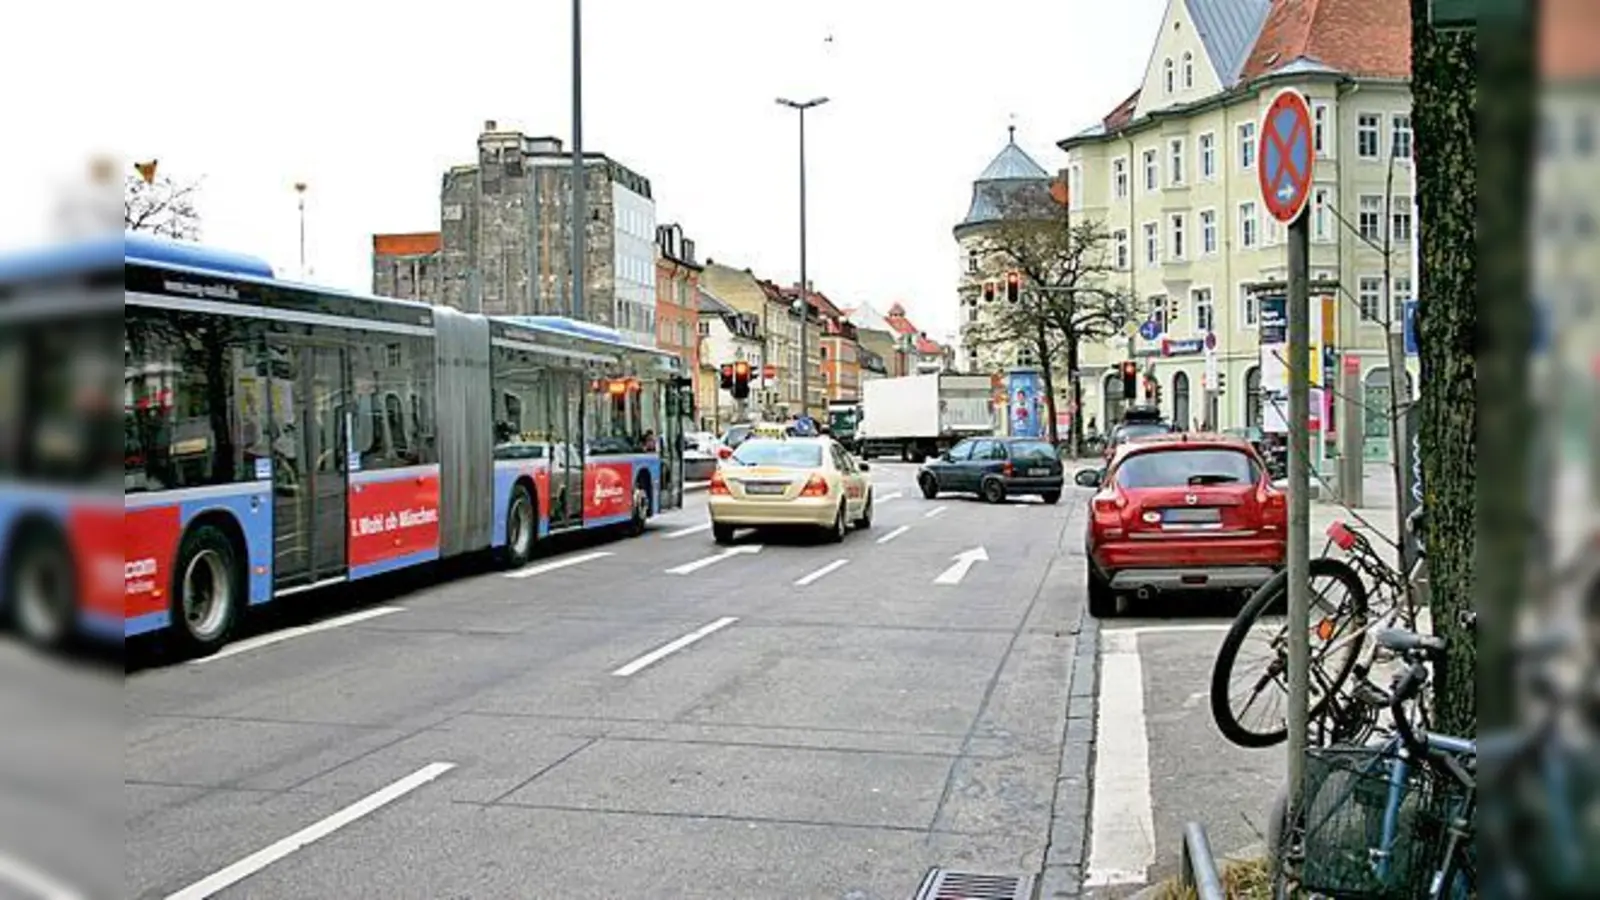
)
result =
(1377, 511)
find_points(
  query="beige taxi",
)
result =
(790, 481)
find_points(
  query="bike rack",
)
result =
(1198, 869)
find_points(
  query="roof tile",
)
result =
(1359, 37)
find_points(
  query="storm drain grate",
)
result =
(943, 884)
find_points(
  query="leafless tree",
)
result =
(164, 207)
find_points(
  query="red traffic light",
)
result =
(1129, 369)
(741, 369)
(1013, 278)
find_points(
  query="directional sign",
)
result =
(1283, 163)
(1150, 329)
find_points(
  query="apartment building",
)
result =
(726, 336)
(1172, 173)
(677, 303)
(778, 323)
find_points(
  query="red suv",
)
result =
(1181, 513)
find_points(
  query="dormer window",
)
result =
(1167, 76)
(1188, 70)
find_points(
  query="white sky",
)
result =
(369, 102)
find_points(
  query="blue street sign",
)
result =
(1284, 160)
(1150, 329)
(1408, 326)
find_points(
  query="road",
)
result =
(656, 717)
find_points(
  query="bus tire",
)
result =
(522, 526)
(207, 590)
(42, 586)
(641, 505)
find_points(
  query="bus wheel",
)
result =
(43, 588)
(521, 527)
(641, 509)
(207, 590)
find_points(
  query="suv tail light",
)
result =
(816, 486)
(718, 485)
(1274, 509)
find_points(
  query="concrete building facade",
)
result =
(727, 336)
(406, 266)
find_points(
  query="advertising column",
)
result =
(1025, 404)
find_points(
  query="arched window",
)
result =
(1252, 397)
(1180, 401)
(1167, 75)
(1188, 70)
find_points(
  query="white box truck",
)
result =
(918, 416)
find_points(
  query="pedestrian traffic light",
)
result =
(741, 380)
(1013, 286)
(1130, 381)
(727, 376)
(988, 292)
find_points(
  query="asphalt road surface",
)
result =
(655, 717)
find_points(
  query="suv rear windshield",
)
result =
(1186, 467)
(783, 454)
(1030, 451)
(1138, 430)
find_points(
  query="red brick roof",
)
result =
(1359, 37)
(1567, 47)
(1122, 115)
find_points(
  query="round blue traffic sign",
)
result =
(1284, 158)
(1149, 330)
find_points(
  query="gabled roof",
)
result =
(1227, 30)
(1357, 37)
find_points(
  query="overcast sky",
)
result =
(369, 102)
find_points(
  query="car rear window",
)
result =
(1186, 468)
(783, 454)
(1143, 429)
(1030, 451)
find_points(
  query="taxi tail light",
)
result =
(816, 486)
(718, 484)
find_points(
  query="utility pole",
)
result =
(580, 182)
(805, 285)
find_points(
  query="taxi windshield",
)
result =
(783, 454)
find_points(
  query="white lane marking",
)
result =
(1122, 825)
(934, 512)
(267, 640)
(887, 497)
(894, 534)
(18, 874)
(667, 649)
(814, 576)
(1205, 627)
(699, 564)
(684, 532)
(553, 565)
(963, 562)
(259, 860)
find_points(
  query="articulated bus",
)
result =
(279, 438)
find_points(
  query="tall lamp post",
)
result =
(580, 184)
(805, 286)
(300, 192)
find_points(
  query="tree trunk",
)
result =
(1444, 82)
(1049, 383)
(1077, 396)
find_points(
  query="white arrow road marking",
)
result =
(278, 637)
(530, 571)
(665, 650)
(1122, 823)
(699, 564)
(934, 512)
(259, 860)
(894, 534)
(963, 562)
(684, 532)
(818, 574)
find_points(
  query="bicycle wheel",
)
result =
(1335, 619)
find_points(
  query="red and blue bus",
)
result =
(280, 438)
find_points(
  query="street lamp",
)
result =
(805, 286)
(300, 191)
(580, 184)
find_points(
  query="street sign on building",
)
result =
(1283, 157)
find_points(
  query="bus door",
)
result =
(310, 421)
(671, 403)
(567, 390)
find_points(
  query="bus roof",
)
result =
(145, 248)
(42, 263)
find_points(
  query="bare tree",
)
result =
(161, 206)
(1067, 297)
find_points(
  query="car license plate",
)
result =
(1202, 516)
(1038, 473)
(764, 487)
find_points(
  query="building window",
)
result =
(1321, 216)
(1151, 172)
(1158, 311)
(1119, 177)
(1249, 307)
(1320, 143)
(1205, 320)
(1400, 217)
(1271, 231)
(705, 329)
(1248, 237)
(1208, 156)
(1188, 70)
(1247, 145)
(1369, 219)
(1075, 187)
(972, 262)
(1175, 161)
(1167, 76)
(1119, 240)
(1369, 297)
(1152, 244)
(1208, 232)
(1178, 247)
(1400, 136)
(1401, 289)
(1368, 127)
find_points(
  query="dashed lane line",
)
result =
(821, 573)
(665, 650)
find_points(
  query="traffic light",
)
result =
(741, 380)
(727, 376)
(1013, 286)
(1172, 313)
(1130, 381)
(988, 292)
(1222, 381)
(1155, 392)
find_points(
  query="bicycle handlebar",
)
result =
(1408, 685)
(1402, 641)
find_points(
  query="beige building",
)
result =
(1172, 171)
(727, 336)
(779, 323)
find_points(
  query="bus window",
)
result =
(384, 373)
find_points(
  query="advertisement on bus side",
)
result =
(393, 519)
(97, 545)
(149, 542)
(607, 490)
